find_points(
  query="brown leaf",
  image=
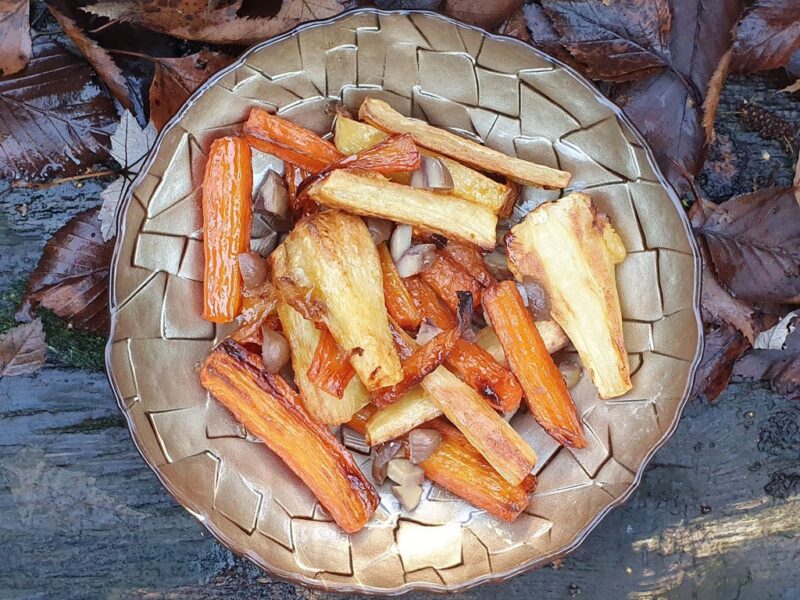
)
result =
(22, 349)
(217, 23)
(713, 93)
(176, 78)
(71, 278)
(54, 119)
(754, 244)
(667, 108)
(779, 368)
(515, 26)
(481, 13)
(722, 348)
(621, 41)
(767, 36)
(103, 64)
(15, 35)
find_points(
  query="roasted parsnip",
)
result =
(328, 269)
(303, 337)
(255, 309)
(571, 249)
(272, 411)
(381, 115)
(374, 196)
(412, 410)
(227, 212)
(547, 395)
(353, 136)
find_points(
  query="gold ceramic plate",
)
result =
(490, 88)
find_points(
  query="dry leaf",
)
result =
(713, 93)
(796, 182)
(478, 12)
(54, 119)
(767, 36)
(71, 278)
(22, 349)
(721, 349)
(176, 78)
(792, 88)
(754, 244)
(623, 41)
(515, 26)
(213, 22)
(15, 36)
(103, 64)
(775, 337)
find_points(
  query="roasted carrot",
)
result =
(544, 387)
(359, 421)
(227, 211)
(289, 142)
(428, 303)
(272, 411)
(330, 369)
(398, 300)
(457, 466)
(395, 154)
(446, 278)
(471, 260)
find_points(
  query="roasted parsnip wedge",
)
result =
(412, 410)
(328, 269)
(353, 136)
(371, 195)
(381, 115)
(571, 249)
(303, 337)
(272, 411)
(553, 336)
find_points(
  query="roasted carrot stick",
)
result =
(227, 211)
(398, 300)
(330, 370)
(359, 421)
(471, 260)
(289, 142)
(475, 366)
(272, 411)
(395, 154)
(446, 278)
(544, 387)
(457, 466)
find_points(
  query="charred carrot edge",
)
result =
(476, 366)
(544, 387)
(272, 411)
(483, 373)
(227, 211)
(398, 300)
(470, 259)
(329, 369)
(457, 466)
(289, 141)
(446, 278)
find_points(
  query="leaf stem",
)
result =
(54, 182)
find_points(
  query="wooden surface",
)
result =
(717, 515)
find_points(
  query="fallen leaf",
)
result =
(408, 4)
(176, 78)
(754, 244)
(796, 182)
(130, 145)
(792, 88)
(483, 14)
(780, 369)
(721, 349)
(667, 108)
(22, 349)
(623, 41)
(216, 23)
(544, 36)
(55, 120)
(98, 57)
(15, 35)
(71, 278)
(775, 337)
(515, 26)
(713, 94)
(767, 36)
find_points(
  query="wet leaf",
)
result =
(754, 244)
(71, 278)
(22, 349)
(98, 57)
(722, 348)
(54, 118)
(481, 13)
(218, 23)
(768, 35)
(176, 78)
(619, 41)
(515, 26)
(15, 36)
(779, 368)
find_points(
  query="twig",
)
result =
(54, 182)
(101, 27)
